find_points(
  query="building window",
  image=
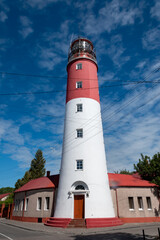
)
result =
(149, 205)
(39, 203)
(79, 165)
(79, 133)
(78, 66)
(131, 203)
(26, 204)
(46, 203)
(22, 204)
(78, 84)
(140, 203)
(79, 107)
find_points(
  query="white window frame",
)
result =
(149, 203)
(79, 107)
(79, 84)
(26, 204)
(131, 203)
(140, 203)
(39, 204)
(46, 204)
(79, 165)
(78, 66)
(79, 133)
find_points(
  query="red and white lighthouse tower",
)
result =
(83, 190)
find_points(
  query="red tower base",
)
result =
(102, 222)
(89, 222)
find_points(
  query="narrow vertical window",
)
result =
(79, 133)
(79, 107)
(46, 204)
(131, 203)
(79, 84)
(39, 203)
(22, 204)
(26, 204)
(78, 66)
(79, 164)
(140, 203)
(149, 205)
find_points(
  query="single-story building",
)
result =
(134, 199)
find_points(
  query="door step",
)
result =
(77, 223)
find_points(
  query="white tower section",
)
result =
(83, 190)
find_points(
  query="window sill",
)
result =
(149, 209)
(140, 209)
(132, 210)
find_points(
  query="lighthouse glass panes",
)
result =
(79, 107)
(79, 66)
(79, 164)
(79, 133)
(78, 84)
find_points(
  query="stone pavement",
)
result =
(151, 229)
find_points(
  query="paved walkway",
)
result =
(151, 229)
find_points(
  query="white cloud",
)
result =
(39, 4)
(3, 16)
(116, 51)
(3, 12)
(113, 14)
(26, 26)
(151, 39)
(155, 10)
(132, 130)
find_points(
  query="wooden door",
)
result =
(78, 206)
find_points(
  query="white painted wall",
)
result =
(91, 149)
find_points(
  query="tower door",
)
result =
(78, 206)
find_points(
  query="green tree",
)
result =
(149, 168)
(37, 168)
(124, 171)
(6, 190)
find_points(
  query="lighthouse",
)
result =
(83, 190)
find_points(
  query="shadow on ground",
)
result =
(113, 236)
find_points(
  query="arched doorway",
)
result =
(79, 190)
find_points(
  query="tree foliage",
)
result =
(124, 171)
(149, 168)
(6, 190)
(37, 169)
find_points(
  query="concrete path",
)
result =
(22, 230)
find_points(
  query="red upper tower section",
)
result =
(82, 79)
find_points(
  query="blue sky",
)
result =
(34, 41)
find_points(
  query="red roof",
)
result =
(124, 180)
(115, 180)
(4, 195)
(39, 183)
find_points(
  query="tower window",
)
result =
(78, 84)
(79, 108)
(79, 165)
(78, 66)
(79, 133)
(140, 203)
